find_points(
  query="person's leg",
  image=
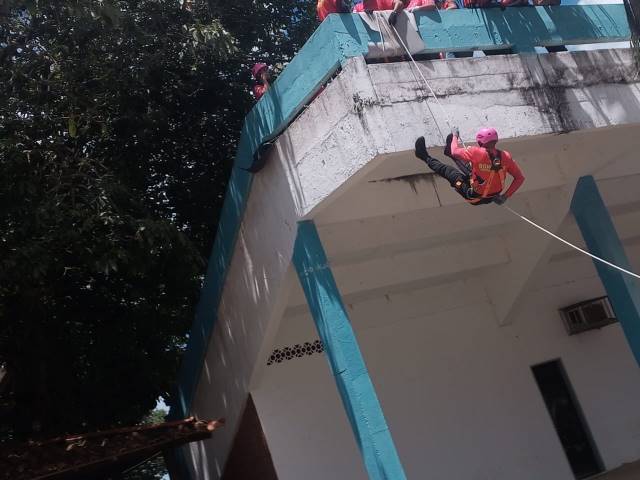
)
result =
(458, 180)
(455, 177)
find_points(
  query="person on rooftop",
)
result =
(326, 7)
(260, 72)
(395, 6)
(481, 172)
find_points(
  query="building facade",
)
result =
(384, 328)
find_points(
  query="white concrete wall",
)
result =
(456, 388)
(357, 125)
(253, 300)
(377, 110)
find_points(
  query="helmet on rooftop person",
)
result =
(257, 69)
(486, 135)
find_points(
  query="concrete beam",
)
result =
(414, 267)
(341, 347)
(602, 239)
(400, 183)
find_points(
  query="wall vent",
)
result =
(587, 315)
(298, 350)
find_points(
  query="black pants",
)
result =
(458, 180)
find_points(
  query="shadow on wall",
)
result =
(525, 27)
(618, 98)
(583, 90)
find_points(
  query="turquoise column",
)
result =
(347, 365)
(602, 240)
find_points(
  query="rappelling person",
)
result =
(260, 72)
(480, 176)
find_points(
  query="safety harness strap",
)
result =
(496, 167)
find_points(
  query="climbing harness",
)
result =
(496, 169)
(530, 222)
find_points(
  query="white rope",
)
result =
(595, 257)
(530, 222)
(444, 113)
(380, 30)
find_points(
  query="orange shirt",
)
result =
(377, 5)
(481, 168)
(326, 7)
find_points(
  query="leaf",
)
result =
(73, 127)
(111, 14)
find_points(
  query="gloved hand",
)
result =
(393, 18)
(499, 199)
(455, 131)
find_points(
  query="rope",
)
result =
(530, 222)
(444, 113)
(595, 257)
(380, 30)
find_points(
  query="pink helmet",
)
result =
(486, 135)
(257, 68)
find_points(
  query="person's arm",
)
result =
(398, 5)
(258, 91)
(518, 178)
(459, 152)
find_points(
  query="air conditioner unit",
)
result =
(587, 315)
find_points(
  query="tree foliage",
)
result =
(118, 122)
(154, 468)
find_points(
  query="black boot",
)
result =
(421, 150)
(447, 148)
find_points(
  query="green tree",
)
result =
(155, 468)
(113, 144)
(118, 124)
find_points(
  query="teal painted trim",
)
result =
(207, 310)
(337, 39)
(347, 365)
(601, 238)
(522, 28)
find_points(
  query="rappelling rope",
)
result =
(530, 222)
(444, 113)
(595, 257)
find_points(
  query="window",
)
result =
(567, 418)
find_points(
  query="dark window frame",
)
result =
(580, 413)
